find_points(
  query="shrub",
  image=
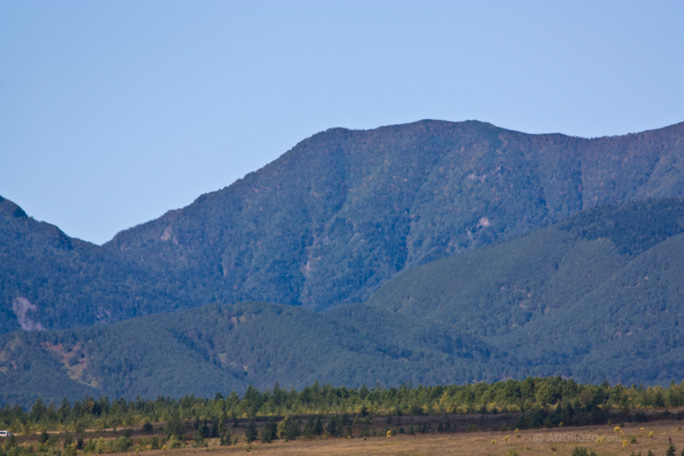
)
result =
(581, 451)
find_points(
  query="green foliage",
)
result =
(326, 408)
(174, 442)
(226, 438)
(334, 428)
(671, 451)
(121, 444)
(581, 451)
(175, 427)
(313, 427)
(200, 438)
(288, 429)
(251, 433)
(270, 431)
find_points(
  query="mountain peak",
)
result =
(345, 210)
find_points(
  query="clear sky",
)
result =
(113, 112)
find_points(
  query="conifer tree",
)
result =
(252, 433)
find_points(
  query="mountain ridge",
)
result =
(332, 220)
(567, 299)
(354, 199)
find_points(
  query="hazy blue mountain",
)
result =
(330, 221)
(344, 211)
(226, 347)
(598, 296)
(49, 280)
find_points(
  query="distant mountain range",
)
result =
(408, 220)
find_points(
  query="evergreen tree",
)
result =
(581, 451)
(318, 427)
(313, 427)
(215, 428)
(671, 449)
(68, 439)
(203, 431)
(334, 427)
(200, 436)
(175, 427)
(270, 432)
(308, 428)
(252, 433)
(288, 429)
(226, 438)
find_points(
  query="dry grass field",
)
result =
(603, 440)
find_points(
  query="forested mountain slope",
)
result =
(598, 296)
(49, 280)
(344, 211)
(226, 347)
(330, 221)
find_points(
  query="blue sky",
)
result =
(113, 112)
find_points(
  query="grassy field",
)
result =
(603, 440)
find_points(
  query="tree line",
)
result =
(547, 400)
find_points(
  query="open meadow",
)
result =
(603, 440)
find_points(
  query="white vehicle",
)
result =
(5, 433)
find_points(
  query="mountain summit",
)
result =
(344, 211)
(330, 221)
